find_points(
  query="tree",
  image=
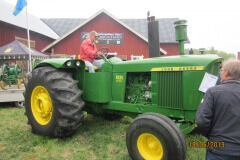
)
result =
(212, 50)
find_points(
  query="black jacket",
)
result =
(218, 117)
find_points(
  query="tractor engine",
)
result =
(10, 75)
(12, 72)
(138, 88)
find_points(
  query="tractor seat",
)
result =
(86, 68)
(95, 68)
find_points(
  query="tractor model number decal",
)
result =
(119, 78)
(188, 68)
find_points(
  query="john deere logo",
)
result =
(9, 49)
(119, 78)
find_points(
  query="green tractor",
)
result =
(161, 94)
(59, 90)
(10, 75)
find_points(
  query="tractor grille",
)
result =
(170, 90)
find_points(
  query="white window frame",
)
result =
(134, 58)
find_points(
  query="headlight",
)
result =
(77, 63)
(69, 63)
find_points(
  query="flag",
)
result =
(19, 6)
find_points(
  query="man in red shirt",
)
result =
(88, 52)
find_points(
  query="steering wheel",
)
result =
(104, 51)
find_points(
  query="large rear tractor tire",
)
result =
(154, 137)
(53, 103)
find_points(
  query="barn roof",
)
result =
(166, 28)
(64, 27)
(35, 24)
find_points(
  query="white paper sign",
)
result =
(208, 81)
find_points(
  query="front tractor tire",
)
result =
(53, 103)
(153, 137)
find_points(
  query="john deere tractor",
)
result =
(161, 94)
(10, 75)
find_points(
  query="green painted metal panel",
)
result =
(97, 87)
(170, 90)
(141, 108)
(186, 127)
(190, 115)
(59, 63)
(79, 75)
(118, 86)
(147, 65)
(191, 95)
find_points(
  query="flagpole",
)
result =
(29, 51)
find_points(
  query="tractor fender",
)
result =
(64, 63)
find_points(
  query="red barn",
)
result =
(126, 37)
(15, 28)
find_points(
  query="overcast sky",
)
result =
(211, 23)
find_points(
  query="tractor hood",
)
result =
(161, 63)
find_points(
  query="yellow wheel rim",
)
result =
(19, 83)
(2, 85)
(41, 105)
(149, 147)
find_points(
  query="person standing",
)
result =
(218, 116)
(88, 52)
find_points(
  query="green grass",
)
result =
(97, 138)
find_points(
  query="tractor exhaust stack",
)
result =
(153, 37)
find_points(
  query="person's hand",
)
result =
(99, 53)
